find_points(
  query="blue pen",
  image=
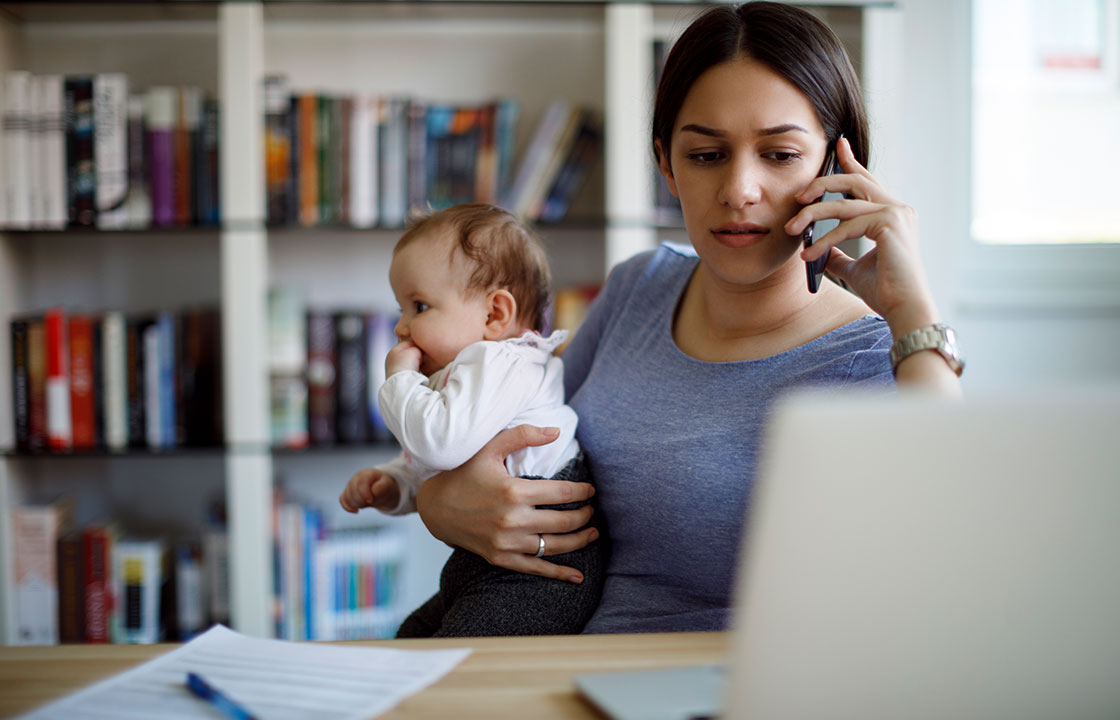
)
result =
(211, 694)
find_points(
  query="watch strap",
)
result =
(938, 337)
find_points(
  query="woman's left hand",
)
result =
(889, 277)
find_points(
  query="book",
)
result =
(17, 146)
(35, 127)
(114, 381)
(137, 576)
(190, 601)
(54, 215)
(81, 171)
(59, 429)
(287, 367)
(21, 400)
(364, 146)
(308, 160)
(321, 377)
(559, 152)
(416, 174)
(161, 119)
(277, 148)
(215, 569)
(110, 149)
(325, 141)
(381, 336)
(394, 162)
(207, 188)
(136, 328)
(184, 139)
(352, 423)
(344, 107)
(97, 568)
(83, 370)
(35, 531)
(584, 154)
(139, 202)
(199, 401)
(537, 158)
(36, 383)
(71, 588)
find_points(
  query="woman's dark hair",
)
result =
(788, 40)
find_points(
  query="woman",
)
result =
(681, 357)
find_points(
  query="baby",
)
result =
(473, 283)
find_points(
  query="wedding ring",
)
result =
(540, 547)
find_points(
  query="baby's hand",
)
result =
(370, 488)
(402, 356)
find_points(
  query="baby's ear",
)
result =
(501, 314)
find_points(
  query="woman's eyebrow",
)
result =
(712, 132)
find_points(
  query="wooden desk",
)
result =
(527, 677)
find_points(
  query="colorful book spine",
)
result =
(185, 138)
(136, 329)
(71, 589)
(97, 545)
(137, 577)
(308, 160)
(83, 369)
(110, 149)
(82, 172)
(36, 384)
(394, 162)
(161, 115)
(277, 148)
(59, 429)
(21, 391)
(207, 187)
(35, 533)
(352, 425)
(321, 378)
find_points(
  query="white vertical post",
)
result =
(629, 169)
(884, 86)
(244, 262)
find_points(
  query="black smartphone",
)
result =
(815, 269)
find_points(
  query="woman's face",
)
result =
(745, 143)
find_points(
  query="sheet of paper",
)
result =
(271, 678)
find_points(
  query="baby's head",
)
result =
(468, 273)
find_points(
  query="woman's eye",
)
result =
(783, 158)
(419, 307)
(705, 158)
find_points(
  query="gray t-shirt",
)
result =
(673, 441)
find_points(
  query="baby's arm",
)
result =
(483, 391)
(390, 488)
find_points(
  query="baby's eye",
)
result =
(419, 307)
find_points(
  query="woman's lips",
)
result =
(739, 235)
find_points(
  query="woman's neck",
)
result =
(719, 321)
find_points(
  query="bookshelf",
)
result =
(596, 54)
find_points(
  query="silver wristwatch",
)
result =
(939, 337)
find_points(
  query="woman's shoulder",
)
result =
(653, 270)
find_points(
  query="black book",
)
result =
(353, 371)
(80, 170)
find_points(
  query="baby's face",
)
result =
(437, 313)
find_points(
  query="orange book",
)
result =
(83, 412)
(308, 160)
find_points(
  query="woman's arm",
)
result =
(479, 507)
(890, 277)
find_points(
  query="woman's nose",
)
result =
(740, 186)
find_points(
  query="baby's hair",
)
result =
(506, 254)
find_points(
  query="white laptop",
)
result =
(911, 558)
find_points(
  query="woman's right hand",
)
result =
(481, 508)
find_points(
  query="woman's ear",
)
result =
(666, 168)
(501, 315)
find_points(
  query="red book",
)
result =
(58, 382)
(97, 545)
(83, 406)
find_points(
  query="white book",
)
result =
(110, 149)
(114, 381)
(35, 532)
(364, 141)
(139, 198)
(53, 152)
(35, 127)
(137, 577)
(17, 143)
(538, 154)
(215, 568)
(394, 162)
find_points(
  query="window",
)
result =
(1046, 122)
